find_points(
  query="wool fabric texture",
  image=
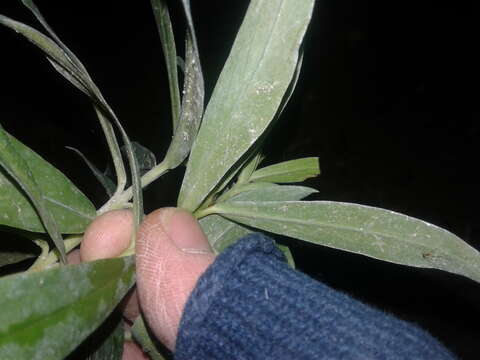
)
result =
(250, 304)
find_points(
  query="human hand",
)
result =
(171, 254)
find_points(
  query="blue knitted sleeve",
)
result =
(250, 304)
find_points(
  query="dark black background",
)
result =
(386, 100)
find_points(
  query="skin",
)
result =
(171, 254)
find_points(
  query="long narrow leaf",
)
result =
(248, 94)
(374, 232)
(71, 56)
(47, 45)
(263, 191)
(63, 60)
(192, 102)
(17, 167)
(164, 25)
(45, 315)
(71, 209)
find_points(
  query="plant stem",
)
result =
(50, 259)
(121, 200)
(200, 213)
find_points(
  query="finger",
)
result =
(73, 257)
(132, 351)
(172, 253)
(107, 236)
(129, 306)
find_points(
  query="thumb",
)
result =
(172, 253)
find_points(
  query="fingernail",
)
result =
(184, 231)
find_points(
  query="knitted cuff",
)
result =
(250, 304)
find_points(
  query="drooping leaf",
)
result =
(248, 93)
(141, 335)
(192, 101)
(79, 77)
(288, 171)
(106, 182)
(374, 232)
(164, 25)
(71, 56)
(70, 209)
(47, 45)
(47, 314)
(222, 232)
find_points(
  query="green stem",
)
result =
(200, 213)
(121, 200)
(50, 259)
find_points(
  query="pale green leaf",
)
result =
(48, 46)
(288, 171)
(71, 56)
(68, 76)
(106, 182)
(45, 315)
(248, 94)
(164, 25)
(71, 210)
(192, 101)
(268, 192)
(142, 336)
(374, 232)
